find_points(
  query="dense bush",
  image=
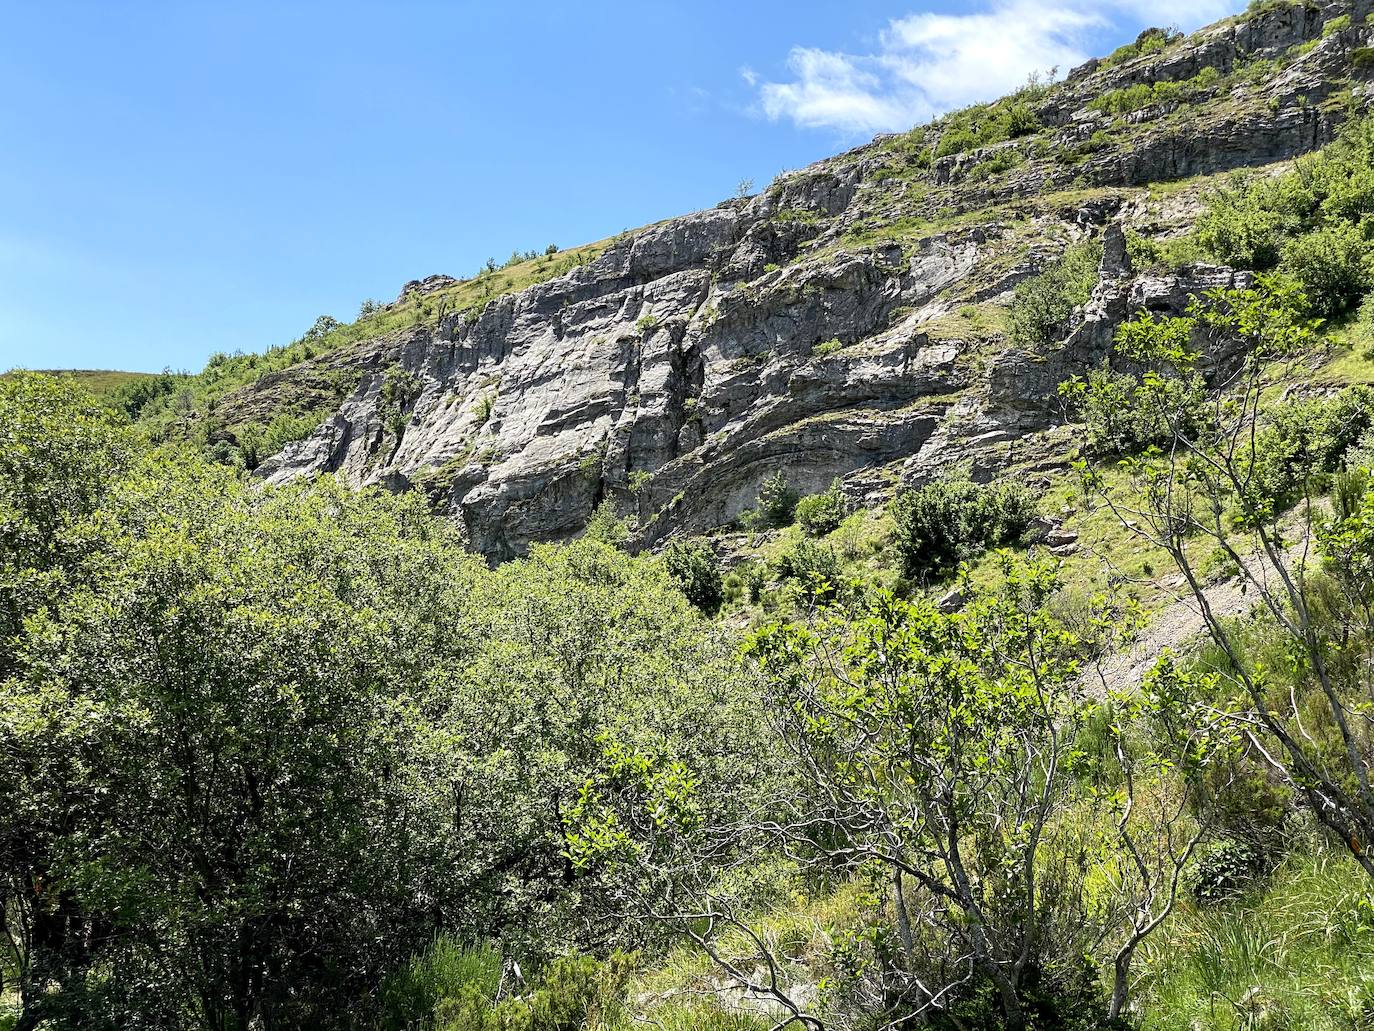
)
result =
(1334, 265)
(695, 571)
(1041, 306)
(819, 514)
(953, 519)
(1151, 41)
(1303, 442)
(1143, 94)
(985, 124)
(1312, 222)
(813, 565)
(572, 994)
(1122, 415)
(261, 743)
(777, 501)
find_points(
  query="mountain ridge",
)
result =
(849, 321)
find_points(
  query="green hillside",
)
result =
(937, 592)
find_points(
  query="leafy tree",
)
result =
(582, 645)
(940, 757)
(953, 519)
(211, 812)
(60, 454)
(1335, 267)
(1311, 223)
(1245, 482)
(694, 569)
(777, 502)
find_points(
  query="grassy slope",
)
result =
(99, 382)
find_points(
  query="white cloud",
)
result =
(929, 63)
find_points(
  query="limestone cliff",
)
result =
(848, 321)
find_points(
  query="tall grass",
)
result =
(1295, 954)
(442, 971)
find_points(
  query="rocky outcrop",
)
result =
(832, 326)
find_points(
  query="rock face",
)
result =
(836, 325)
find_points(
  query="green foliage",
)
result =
(985, 124)
(1145, 94)
(258, 442)
(1334, 265)
(61, 453)
(819, 514)
(268, 739)
(777, 501)
(825, 347)
(1362, 331)
(695, 571)
(1224, 869)
(606, 527)
(1334, 25)
(814, 566)
(1002, 161)
(953, 519)
(243, 643)
(1146, 253)
(1041, 306)
(444, 970)
(910, 722)
(573, 993)
(1313, 222)
(747, 582)
(1124, 413)
(1303, 442)
(1151, 41)
(1293, 953)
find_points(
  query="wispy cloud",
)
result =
(928, 63)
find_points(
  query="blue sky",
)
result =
(186, 178)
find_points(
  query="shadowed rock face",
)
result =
(796, 331)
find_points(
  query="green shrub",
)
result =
(1245, 225)
(1304, 442)
(1143, 94)
(814, 565)
(777, 501)
(1335, 267)
(1042, 305)
(1003, 161)
(953, 519)
(1311, 222)
(1337, 24)
(985, 124)
(830, 346)
(694, 570)
(1151, 41)
(1123, 416)
(1224, 869)
(819, 514)
(257, 441)
(747, 582)
(400, 387)
(605, 526)
(1363, 329)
